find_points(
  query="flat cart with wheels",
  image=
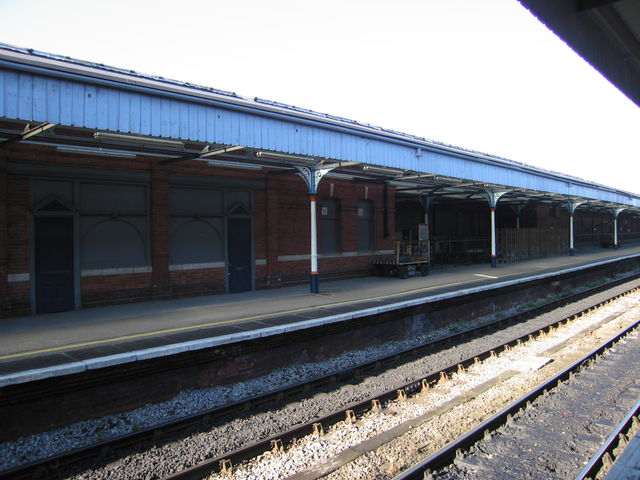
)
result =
(409, 260)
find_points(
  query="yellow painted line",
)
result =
(484, 276)
(221, 322)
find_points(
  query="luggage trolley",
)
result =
(410, 259)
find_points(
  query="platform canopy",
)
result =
(606, 33)
(79, 107)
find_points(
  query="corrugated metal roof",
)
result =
(82, 104)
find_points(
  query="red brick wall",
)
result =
(297, 271)
(270, 222)
(548, 221)
(288, 204)
(18, 302)
(17, 250)
(205, 281)
(293, 215)
(261, 217)
(109, 289)
(4, 299)
(160, 231)
(18, 215)
(281, 226)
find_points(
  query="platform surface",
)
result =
(41, 346)
(627, 465)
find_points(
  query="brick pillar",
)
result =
(17, 234)
(349, 216)
(272, 215)
(385, 220)
(160, 232)
(4, 300)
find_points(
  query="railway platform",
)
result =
(627, 466)
(50, 345)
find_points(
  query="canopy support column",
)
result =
(312, 178)
(493, 197)
(571, 206)
(314, 246)
(615, 212)
(426, 202)
(494, 258)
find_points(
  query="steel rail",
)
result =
(98, 451)
(599, 459)
(446, 455)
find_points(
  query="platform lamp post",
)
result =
(493, 197)
(571, 206)
(615, 211)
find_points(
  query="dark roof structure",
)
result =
(606, 33)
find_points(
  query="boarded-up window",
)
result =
(329, 225)
(112, 242)
(191, 201)
(196, 225)
(365, 225)
(113, 225)
(110, 198)
(196, 240)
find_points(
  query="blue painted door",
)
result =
(239, 254)
(54, 264)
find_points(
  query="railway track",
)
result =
(56, 465)
(602, 461)
(348, 458)
(454, 450)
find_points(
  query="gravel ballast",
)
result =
(563, 429)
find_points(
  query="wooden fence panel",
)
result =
(519, 244)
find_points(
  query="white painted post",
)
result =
(494, 261)
(615, 231)
(571, 250)
(312, 178)
(314, 246)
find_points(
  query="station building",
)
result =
(120, 187)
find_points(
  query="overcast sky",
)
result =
(482, 75)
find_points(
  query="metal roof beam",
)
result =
(589, 4)
(393, 172)
(27, 133)
(416, 176)
(340, 164)
(206, 152)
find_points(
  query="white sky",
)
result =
(483, 75)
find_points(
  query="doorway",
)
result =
(54, 283)
(239, 254)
